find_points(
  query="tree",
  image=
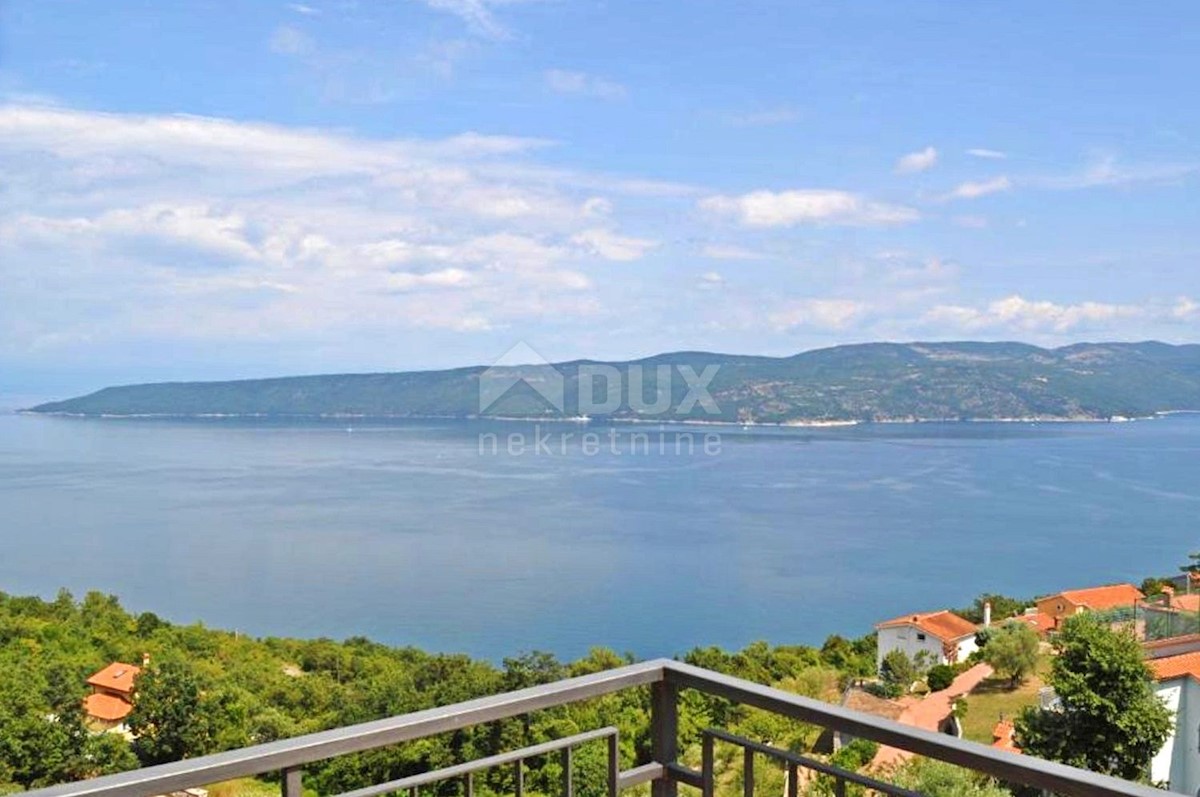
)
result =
(1110, 721)
(940, 677)
(1012, 650)
(939, 779)
(1003, 607)
(169, 719)
(897, 672)
(1194, 565)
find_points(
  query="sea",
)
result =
(481, 537)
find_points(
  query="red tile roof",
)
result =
(945, 625)
(1002, 737)
(1106, 597)
(1186, 603)
(106, 707)
(1186, 664)
(1042, 623)
(116, 677)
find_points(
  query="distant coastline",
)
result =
(839, 386)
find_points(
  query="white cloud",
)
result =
(567, 82)
(710, 281)
(1105, 170)
(612, 246)
(306, 10)
(917, 161)
(175, 227)
(1022, 315)
(826, 314)
(987, 154)
(970, 222)
(478, 15)
(807, 206)
(974, 190)
(597, 207)
(289, 40)
(444, 278)
(729, 252)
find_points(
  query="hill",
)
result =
(864, 382)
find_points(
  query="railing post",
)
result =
(747, 773)
(793, 786)
(664, 734)
(707, 780)
(519, 786)
(614, 765)
(568, 788)
(293, 782)
(470, 789)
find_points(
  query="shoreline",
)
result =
(803, 423)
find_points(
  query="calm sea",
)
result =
(406, 533)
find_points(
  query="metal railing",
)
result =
(517, 758)
(793, 762)
(664, 772)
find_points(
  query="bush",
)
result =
(940, 677)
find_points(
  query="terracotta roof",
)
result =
(1002, 737)
(117, 676)
(1106, 597)
(106, 707)
(1042, 623)
(945, 625)
(1179, 666)
(1186, 603)
(862, 700)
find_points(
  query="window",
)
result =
(920, 637)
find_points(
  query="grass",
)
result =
(994, 696)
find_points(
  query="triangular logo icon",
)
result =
(521, 363)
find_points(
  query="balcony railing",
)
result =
(665, 679)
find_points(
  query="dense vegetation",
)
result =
(877, 381)
(1110, 720)
(210, 690)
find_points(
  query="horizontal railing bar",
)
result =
(639, 775)
(812, 763)
(1049, 775)
(458, 770)
(301, 750)
(686, 775)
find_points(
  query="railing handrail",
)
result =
(291, 754)
(300, 750)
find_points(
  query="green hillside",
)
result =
(866, 382)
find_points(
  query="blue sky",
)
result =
(211, 190)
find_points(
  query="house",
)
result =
(111, 700)
(1043, 624)
(1170, 615)
(1062, 605)
(939, 637)
(1177, 683)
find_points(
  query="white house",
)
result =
(943, 637)
(1177, 683)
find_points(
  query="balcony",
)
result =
(665, 772)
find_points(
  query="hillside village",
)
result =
(1166, 623)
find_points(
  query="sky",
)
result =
(209, 190)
